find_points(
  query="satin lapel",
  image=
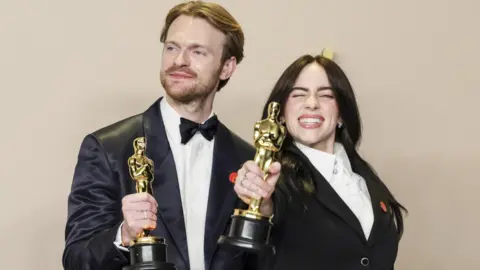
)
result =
(222, 198)
(330, 199)
(165, 185)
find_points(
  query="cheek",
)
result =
(331, 111)
(291, 116)
(167, 62)
(289, 112)
(198, 67)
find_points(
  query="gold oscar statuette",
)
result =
(249, 229)
(147, 252)
(268, 137)
(141, 171)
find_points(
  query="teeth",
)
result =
(310, 120)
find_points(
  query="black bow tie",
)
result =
(189, 128)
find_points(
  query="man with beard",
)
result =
(192, 152)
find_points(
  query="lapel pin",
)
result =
(233, 177)
(383, 206)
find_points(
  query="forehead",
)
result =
(312, 76)
(193, 30)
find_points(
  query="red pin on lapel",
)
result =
(232, 177)
(383, 206)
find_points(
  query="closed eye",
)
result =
(299, 92)
(298, 95)
(198, 52)
(170, 46)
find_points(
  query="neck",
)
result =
(197, 110)
(325, 146)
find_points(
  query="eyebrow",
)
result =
(322, 88)
(191, 46)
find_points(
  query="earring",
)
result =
(339, 124)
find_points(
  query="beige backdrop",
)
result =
(71, 67)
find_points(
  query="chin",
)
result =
(306, 141)
(179, 89)
(180, 96)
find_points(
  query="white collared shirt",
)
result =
(351, 187)
(193, 162)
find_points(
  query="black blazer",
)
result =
(101, 179)
(321, 232)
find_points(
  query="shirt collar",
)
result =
(325, 162)
(171, 120)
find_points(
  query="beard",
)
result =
(195, 90)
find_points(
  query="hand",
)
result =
(139, 213)
(250, 184)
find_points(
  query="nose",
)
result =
(182, 59)
(312, 102)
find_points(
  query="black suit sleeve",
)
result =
(94, 213)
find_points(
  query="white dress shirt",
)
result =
(351, 187)
(193, 162)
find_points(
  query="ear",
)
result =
(228, 68)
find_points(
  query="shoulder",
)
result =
(119, 134)
(241, 144)
(245, 150)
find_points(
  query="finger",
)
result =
(275, 168)
(241, 172)
(138, 226)
(140, 206)
(237, 187)
(240, 175)
(258, 185)
(238, 190)
(145, 215)
(150, 198)
(151, 225)
(272, 180)
(137, 216)
(250, 166)
(247, 188)
(142, 197)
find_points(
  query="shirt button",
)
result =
(335, 171)
(364, 261)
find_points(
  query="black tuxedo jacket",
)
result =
(101, 180)
(321, 232)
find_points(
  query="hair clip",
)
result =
(327, 53)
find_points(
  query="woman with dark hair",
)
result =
(330, 209)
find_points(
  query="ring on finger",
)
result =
(243, 179)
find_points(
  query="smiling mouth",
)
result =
(311, 121)
(181, 76)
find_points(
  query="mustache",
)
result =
(181, 69)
